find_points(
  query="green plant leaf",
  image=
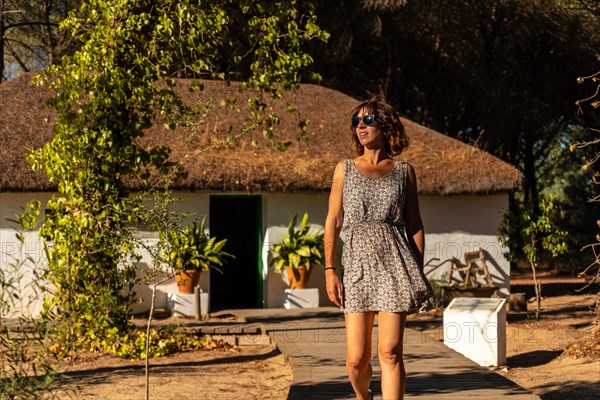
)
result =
(304, 224)
(292, 225)
(294, 260)
(304, 251)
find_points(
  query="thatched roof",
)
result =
(444, 165)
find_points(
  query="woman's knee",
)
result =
(357, 362)
(390, 355)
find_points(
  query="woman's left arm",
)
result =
(412, 215)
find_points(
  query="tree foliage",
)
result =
(589, 346)
(499, 74)
(539, 235)
(29, 35)
(592, 155)
(111, 90)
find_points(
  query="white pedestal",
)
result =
(301, 298)
(204, 303)
(476, 328)
(192, 305)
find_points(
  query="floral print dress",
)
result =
(379, 269)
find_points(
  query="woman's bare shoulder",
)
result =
(339, 168)
(409, 168)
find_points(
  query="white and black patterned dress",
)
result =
(379, 269)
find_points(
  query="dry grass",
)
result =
(444, 165)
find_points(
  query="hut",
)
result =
(250, 190)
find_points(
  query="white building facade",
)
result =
(453, 225)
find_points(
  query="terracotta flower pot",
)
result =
(187, 280)
(298, 277)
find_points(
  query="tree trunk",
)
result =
(50, 31)
(531, 189)
(538, 291)
(147, 344)
(515, 237)
(2, 31)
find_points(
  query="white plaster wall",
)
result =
(453, 225)
(477, 215)
(12, 252)
(198, 204)
(458, 224)
(31, 301)
(278, 210)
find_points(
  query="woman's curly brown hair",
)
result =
(388, 121)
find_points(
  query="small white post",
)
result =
(476, 328)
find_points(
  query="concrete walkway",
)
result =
(314, 343)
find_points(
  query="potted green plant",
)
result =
(299, 250)
(190, 251)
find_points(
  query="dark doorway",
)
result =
(238, 219)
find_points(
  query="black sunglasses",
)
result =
(368, 120)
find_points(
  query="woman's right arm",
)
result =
(333, 226)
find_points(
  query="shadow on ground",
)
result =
(533, 358)
(101, 375)
(460, 384)
(556, 289)
(271, 319)
(574, 390)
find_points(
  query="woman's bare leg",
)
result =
(389, 349)
(359, 328)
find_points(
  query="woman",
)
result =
(374, 197)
